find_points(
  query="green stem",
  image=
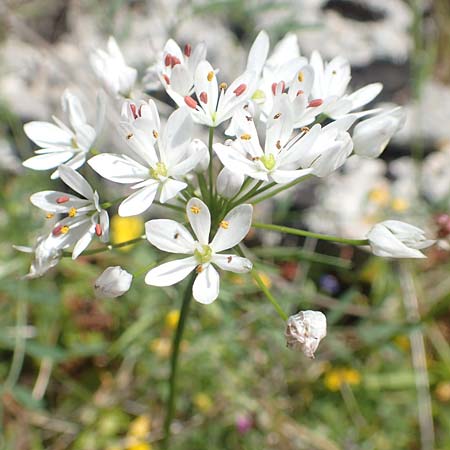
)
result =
(297, 232)
(167, 205)
(249, 194)
(210, 166)
(269, 295)
(281, 189)
(108, 247)
(174, 360)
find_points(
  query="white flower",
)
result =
(46, 256)
(331, 81)
(176, 68)
(85, 217)
(151, 170)
(229, 183)
(305, 330)
(198, 147)
(112, 70)
(61, 144)
(113, 282)
(216, 103)
(172, 237)
(143, 115)
(281, 158)
(396, 239)
(371, 136)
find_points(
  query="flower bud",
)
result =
(198, 146)
(228, 183)
(113, 282)
(305, 330)
(395, 239)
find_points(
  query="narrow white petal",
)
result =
(138, 202)
(258, 52)
(119, 169)
(76, 182)
(232, 263)
(47, 201)
(169, 236)
(82, 244)
(172, 272)
(170, 189)
(235, 227)
(45, 134)
(206, 285)
(200, 219)
(286, 176)
(47, 161)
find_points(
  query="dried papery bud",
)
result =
(305, 330)
(113, 282)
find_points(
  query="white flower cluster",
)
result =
(287, 117)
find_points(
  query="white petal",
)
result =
(104, 223)
(170, 273)
(169, 236)
(76, 182)
(233, 263)
(200, 219)
(258, 52)
(72, 107)
(81, 245)
(365, 95)
(47, 161)
(119, 169)
(238, 222)
(170, 189)
(206, 285)
(46, 134)
(177, 133)
(286, 176)
(47, 201)
(139, 201)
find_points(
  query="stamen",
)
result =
(167, 60)
(274, 88)
(187, 50)
(62, 199)
(300, 77)
(64, 229)
(275, 85)
(229, 259)
(57, 230)
(176, 235)
(315, 102)
(277, 116)
(278, 145)
(224, 224)
(195, 209)
(210, 75)
(304, 129)
(133, 110)
(190, 102)
(166, 79)
(98, 230)
(240, 89)
(249, 118)
(49, 216)
(333, 72)
(174, 61)
(140, 111)
(223, 85)
(155, 134)
(130, 135)
(72, 212)
(199, 268)
(300, 92)
(204, 97)
(245, 137)
(256, 158)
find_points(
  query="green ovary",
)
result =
(160, 170)
(204, 255)
(268, 161)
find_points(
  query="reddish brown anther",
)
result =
(190, 102)
(275, 85)
(168, 60)
(98, 229)
(204, 97)
(133, 110)
(62, 199)
(240, 89)
(57, 230)
(300, 92)
(166, 79)
(174, 61)
(316, 102)
(187, 50)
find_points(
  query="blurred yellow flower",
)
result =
(126, 228)
(265, 279)
(161, 346)
(237, 280)
(203, 402)
(172, 319)
(402, 342)
(335, 378)
(379, 196)
(140, 427)
(399, 204)
(443, 391)
(139, 446)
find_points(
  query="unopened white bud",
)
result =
(229, 183)
(305, 330)
(199, 147)
(113, 282)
